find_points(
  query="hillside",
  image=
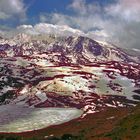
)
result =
(43, 76)
(119, 124)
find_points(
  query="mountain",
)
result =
(74, 49)
(1, 37)
(46, 71)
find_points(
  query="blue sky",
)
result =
(34, 8)
(60, 6)
(45, 6)
(116, 21)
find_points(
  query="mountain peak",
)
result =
(22, 37)
(82, 49)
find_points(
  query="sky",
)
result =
(115, 21)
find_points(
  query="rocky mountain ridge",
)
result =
(74, 49)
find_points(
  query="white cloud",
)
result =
(12, 8)
(79, 6)
(82, 8)
(117, 22)
(3, 15)
(44, 28)
(126, 10)
(98, 35)
(123, 27)
(25, 27)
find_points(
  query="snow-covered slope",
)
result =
(67, 72)
(73, 49)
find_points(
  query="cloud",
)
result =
(44, 28)
(123, 26)
(11, 9)
(82, 8)
(118, 22)
(126, 10)
(85, 18)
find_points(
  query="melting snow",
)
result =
(41, 95)
(17, 118)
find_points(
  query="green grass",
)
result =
(68, 137)
(127, 128)
(64, 137)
